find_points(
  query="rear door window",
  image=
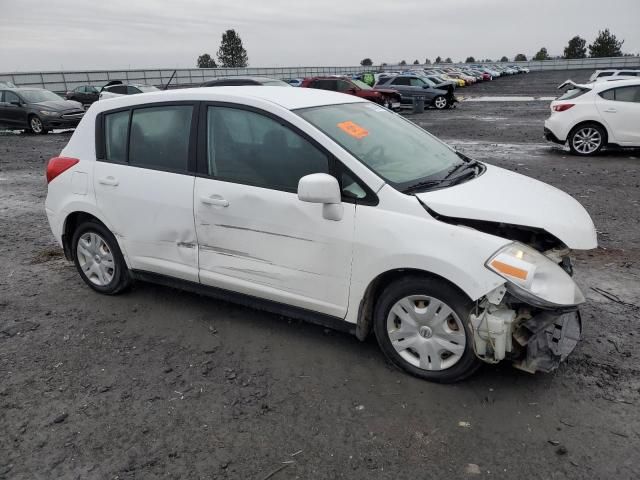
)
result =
(326, 85)
(622, 94)
(159, 137)
(401, 81)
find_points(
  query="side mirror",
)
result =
(322, 188)
(352, 90)
(17, 103)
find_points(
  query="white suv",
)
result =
(613, 74)
(327, 207)
(591, 116)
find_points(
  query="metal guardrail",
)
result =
(62, 81)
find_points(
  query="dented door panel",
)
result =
(269, 244)
(151, 213)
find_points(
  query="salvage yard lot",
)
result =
(163, 383)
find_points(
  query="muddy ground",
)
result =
(161, 383)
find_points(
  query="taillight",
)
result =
(562, 107)
(57, 165)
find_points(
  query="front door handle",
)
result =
(611, 110)
(215, 200)
(111, 181)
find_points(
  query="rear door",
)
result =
(620, 109)
(144, 185)
(255, 237)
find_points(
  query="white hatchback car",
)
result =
(326, 207)
(592, 116)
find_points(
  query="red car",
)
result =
(382, 96)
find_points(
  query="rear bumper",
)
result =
(550, 136)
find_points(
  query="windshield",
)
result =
(361, 84)
(396, 149)
(147, 88)
(36, 96)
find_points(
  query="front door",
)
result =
(144, 188)
(254, 235)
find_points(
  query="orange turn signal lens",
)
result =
(510, 270)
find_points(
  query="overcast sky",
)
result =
(89, 34)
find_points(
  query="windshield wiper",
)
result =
(422, 185)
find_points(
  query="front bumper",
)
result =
(60, 122)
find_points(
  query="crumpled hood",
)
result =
(503, 196)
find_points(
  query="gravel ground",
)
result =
(161, 383)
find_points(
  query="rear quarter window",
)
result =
(573, 93)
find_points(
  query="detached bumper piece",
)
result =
(548, 338)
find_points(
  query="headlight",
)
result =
(534, 278)
(48, 113)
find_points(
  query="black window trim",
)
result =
(100, 139)
(335, 166)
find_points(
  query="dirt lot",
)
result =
(160, 383)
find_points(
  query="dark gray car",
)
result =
(37, 110)
(410, 86)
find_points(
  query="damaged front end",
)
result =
(533, 318)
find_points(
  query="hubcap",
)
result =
(440, 102)
(587, 140)
(426, 332)
(95, 259)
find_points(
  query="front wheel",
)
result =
(440, 102)
(586, 140)
(422, 327)
(99, 260)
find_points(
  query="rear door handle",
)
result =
(111, 181)
(611, 110)
(215, 200)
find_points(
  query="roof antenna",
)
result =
(172, 75)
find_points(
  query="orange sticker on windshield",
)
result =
(353, 129)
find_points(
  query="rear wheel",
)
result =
(98, 259)
(421, 326)
(587, 139)
(440, 102)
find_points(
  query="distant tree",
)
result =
(606, 45)
(403, 62)
(448, 60)
(384, 64)
(470, 60)
(504, 59)
(487, 60)
(576, 48)
(438, 60)
(366, 62)
(416, 62)
(231, 52)
(542, 54)
(521, 57)
(205, 61)
(427, 62)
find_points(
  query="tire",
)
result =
(440, 102)
(587, 139)
(36, 126)
(98, 259)
(440, 349)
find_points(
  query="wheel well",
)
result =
(377, 286)
(591, 122)
(72, 222)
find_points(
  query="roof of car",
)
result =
(243, 77)
(289, 98)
